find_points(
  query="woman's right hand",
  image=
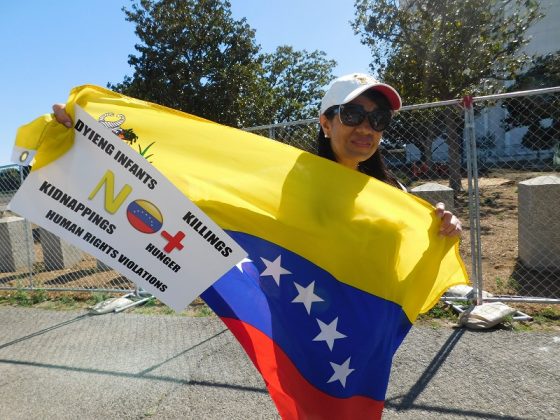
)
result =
(61, 116)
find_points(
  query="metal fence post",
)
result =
(474, 197)
(28, 238)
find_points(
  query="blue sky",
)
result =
(46, 48)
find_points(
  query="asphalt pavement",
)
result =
(72, 365)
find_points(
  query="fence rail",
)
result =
(501, 153)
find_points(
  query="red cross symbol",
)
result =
(173, 241)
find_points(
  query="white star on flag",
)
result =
(307, 296)
(341, 372)
(240, 263)
(328, 333)
(274, 269)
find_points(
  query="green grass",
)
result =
(441, 315)
(203, 311)
(98, 297)
(437, 317)
(23, 297)
(504, 287)
(441, 311)
(67, 300)
(547, 315)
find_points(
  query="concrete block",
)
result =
(16, 244)
(57, 253)
(435, 193)
(539, 222)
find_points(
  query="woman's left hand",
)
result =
(59, 111)
(450, 224)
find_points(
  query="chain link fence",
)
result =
(518, 156)
(501, 155)
(33, 258)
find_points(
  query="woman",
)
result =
(365, 252)
(354, 112)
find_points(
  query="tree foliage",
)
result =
(533, 111)
(296, 81)
(543, 73)
(435, 50)
(195, 57)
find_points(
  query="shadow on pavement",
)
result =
(407, 402)
(133, 375)
(455, 411)
(140, 375)
(145, 371)
(45, 330)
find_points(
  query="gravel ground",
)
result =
(69, 365)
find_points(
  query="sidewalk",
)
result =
(69, 365)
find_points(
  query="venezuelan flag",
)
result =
(144, 216)
(339, 266)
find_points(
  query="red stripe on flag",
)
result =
(139, 224)
(294, 396)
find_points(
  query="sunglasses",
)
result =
(353, 115)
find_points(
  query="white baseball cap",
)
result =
(350, 86)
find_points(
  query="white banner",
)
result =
(109, 201)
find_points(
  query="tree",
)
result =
(434, 50)
(195, 57)
(296, 80)
(532, 111)
(543, 73)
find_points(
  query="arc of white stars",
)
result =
(239, 265)
(329, 333)
(307, 296)
(341, 372)
(274, 269)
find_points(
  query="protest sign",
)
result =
(108, 200)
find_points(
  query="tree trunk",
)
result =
(454, 139)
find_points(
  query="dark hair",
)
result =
(374, 166)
